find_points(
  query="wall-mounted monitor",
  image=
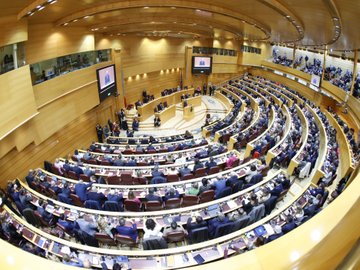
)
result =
(106, 77)
(315, 80)
(201, 64)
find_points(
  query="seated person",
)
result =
(219, 185)
(94, 195)
(216, 222)
(197, 165)
(122, 229)
(152, 196)
(115, 197)
(131, 197)
(184, 171)
(87, 225)
(205, 185)
(171, 194)
(199, 223)
(151, 229)
(193, 190)
(289, 226)
(81, 190)
(231, 160)
(210, 163)
(174, 227)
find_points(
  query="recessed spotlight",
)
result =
(41, 8)
(65, 24)
(53, 2)
(146, 7)
(173, 7)
(75, 20)
(87, 17)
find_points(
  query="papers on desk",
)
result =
(95, 260)
(269, 229)
(232, 204)
(143, 194)
(50, 208)
(65, 250)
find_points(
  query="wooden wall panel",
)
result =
(221, 77)
(62, 111)
(49, 90)
(153, 82)
(12, 30)
(79, 133)
(17, 103)
(144, 54)
(47, 42)
(246, 58)
(226, 44)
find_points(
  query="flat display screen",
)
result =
(106, 82)
(201, 64)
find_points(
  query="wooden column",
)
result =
(354, 73)
(116, 57)
(186, 72)
(294, 52)
(324, 61)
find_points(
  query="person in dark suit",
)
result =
(66, 191)
(233, 179)
(311, 208)
(155, 172)
(199, 223)
(171, 194)
(210, 163)
(135, 125)
(289, 226)
(205, 185)
(80, 190)
(96, 196)
(216, 222)
(184, 171)
(276, 191)
(152, 196)
(99, 132)
(131, 162)
(76, 169)
(122, 229)
(158, 180)
(219, 185)
(197, 164)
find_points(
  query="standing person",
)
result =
(204, 89)
(99, 132)
(157, 121)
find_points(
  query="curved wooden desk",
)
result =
(166, 114)
(146, 110)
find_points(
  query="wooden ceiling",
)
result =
(331, 23)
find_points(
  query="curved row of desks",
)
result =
(141, 190)
(145, 171)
